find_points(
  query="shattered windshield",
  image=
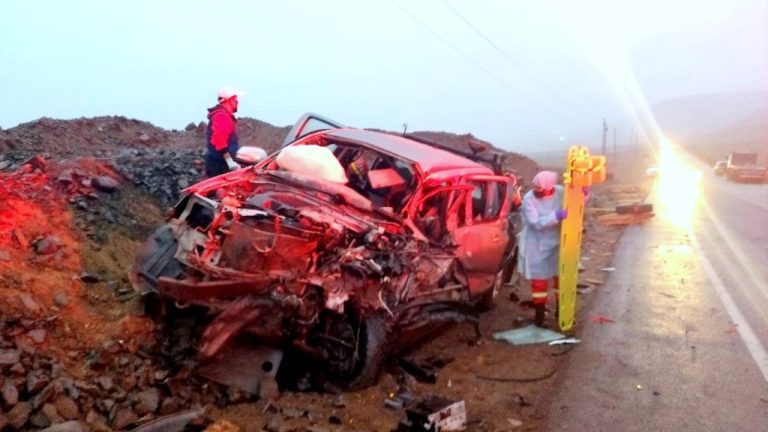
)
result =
(381, 180)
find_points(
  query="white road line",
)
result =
(743, 261)
(755, 348)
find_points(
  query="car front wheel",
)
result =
(356, 352)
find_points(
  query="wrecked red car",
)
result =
(344, 273)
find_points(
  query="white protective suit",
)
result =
(539, 253)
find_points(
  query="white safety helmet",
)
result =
(229, 92)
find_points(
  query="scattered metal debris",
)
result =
(569, 341)
(171, 423)
(636, 208)
(516, 379)
(602, 319)
(434, 413)
(395, 404)
(339, 402)
(614, 219)
(422, 371)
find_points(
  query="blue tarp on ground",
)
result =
(528, 335)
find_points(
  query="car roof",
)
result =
(429, 159)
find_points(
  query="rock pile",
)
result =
(162, 173)
(118, 388)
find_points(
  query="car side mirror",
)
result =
(250, 155)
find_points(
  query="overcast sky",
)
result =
(521, 74)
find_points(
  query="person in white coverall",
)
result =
(539, 254)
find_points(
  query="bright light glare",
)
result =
(679, 187)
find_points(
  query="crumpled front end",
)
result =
(281, 263)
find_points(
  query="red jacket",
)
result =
(222, 130)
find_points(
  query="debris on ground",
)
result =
(530, 334)
(569, 341)
(613, 219)
(602, 319)
(628, 206)
(635, 208)
(506, 379)
(423, 372)
(177, 422)
(435, 413)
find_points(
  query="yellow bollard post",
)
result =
(581, 170)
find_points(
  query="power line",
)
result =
(461, 53)
(499, 50)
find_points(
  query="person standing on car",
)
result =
(221, 136)
(538, 258)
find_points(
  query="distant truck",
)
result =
(744, 167)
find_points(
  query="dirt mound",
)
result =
(252, 133)
(75, 348)
(115, 135)
(110, 135)
(6, 144)
(258, 133)
(85, 136)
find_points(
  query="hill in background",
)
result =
(100, 136)
(716, 124)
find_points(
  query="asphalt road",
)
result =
(689, 301)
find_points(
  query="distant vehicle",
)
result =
(652, 170)
(744, 167)
(720, 167)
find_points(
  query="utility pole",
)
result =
(605, 137)
(614, 147)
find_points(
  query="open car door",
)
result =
(479, 227)
(309, 123)
(472, 213)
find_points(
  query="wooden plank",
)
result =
(624, 219)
